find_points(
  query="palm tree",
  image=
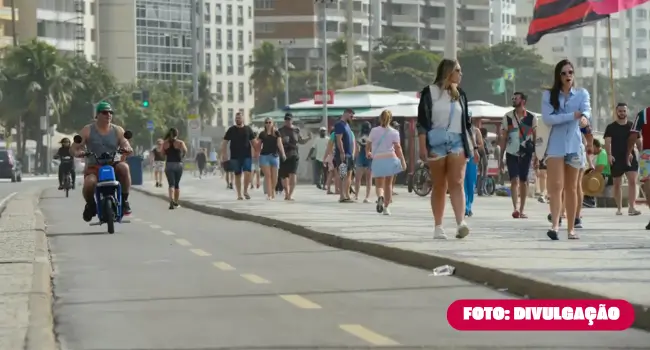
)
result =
(268, 72)
(42, 75)
(207, 100)
(337, 74)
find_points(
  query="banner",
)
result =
(607, 7)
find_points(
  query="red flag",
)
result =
(607, 7)
(554, 16)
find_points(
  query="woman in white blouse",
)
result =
(445, 142)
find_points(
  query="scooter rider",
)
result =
(66, 166)
(100, 137)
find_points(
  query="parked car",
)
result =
(9, 167)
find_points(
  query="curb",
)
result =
(515, 283)
(40, 333)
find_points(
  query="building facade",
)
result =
(481, 22)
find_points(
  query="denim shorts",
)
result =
(270, 160)
(453, 145)
(239, 166)
(575, 159)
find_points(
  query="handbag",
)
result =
(438, 136)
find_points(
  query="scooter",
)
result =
(108, 191)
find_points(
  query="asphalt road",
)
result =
(184, 280)
(7, 187)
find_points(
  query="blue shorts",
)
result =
(270, 160)
(383, 167)
(453, 145)
(239, 166)
(575, 160)
(363, 162)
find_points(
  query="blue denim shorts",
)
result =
(453, 145)
(270, 160)
(575, 160)
(239, 166)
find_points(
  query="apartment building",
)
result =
(68, 25)
(6, 30)
(588, 47)
(481, 22)
(229, 40)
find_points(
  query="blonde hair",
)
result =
(273, 129)
(443, 75)
(385, 118)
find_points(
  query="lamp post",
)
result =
(285, 44)
(323, 22)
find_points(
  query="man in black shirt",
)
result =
(289, 167)
(201, 161)
(616, 137)
(240, 137)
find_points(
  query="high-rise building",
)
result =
(6, 31)
(229, 40)
(480, 22)
(588, 47)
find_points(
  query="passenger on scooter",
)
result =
(103, 137)
(66, 165)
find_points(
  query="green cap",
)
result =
(103, 106)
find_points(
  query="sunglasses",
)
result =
(570, 72)
(107, 113)
(268, 123)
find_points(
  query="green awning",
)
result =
(304, 115)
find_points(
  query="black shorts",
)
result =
(287, 167)
(619, 168)
(518, 166)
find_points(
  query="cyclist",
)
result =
(66, 165)
(100, 137)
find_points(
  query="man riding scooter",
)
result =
(67, 162)
(100, 137)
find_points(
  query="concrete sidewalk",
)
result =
(611, 260)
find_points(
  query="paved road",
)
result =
(184, 280)
(7, 187)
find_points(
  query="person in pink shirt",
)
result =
(383, 147)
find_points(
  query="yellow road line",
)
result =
(300, 302)
(183, 242)
(223, 266)
(200, 252)
(155, 227)
(367, 335)
(168, 233)
(254, 278)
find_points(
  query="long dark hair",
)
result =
(171, 134)
(557, 83)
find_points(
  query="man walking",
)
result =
(316, 155)
(289, 167)
(518, 132)
(240, 137)
(616, 138)
(343, 150)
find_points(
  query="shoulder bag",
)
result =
(438, 136)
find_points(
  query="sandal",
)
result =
(523, 216)
(573, 236)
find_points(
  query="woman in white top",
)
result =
(445, 142)
(383, 147)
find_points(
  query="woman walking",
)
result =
(175, 150)
(270, 151)
(445, 141)
(158, 161)
(565, 109)
(384, 148)
(471, 173)
(362, 168)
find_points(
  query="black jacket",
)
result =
(424, 117)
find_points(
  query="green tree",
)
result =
(302, 84)
(407, 70)
(482, 65)
(208, 101)
(267, 76)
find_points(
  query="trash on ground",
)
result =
(444, 270)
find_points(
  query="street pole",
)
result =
(451, 35)
(195, 65)
(19, 127)
(370, 33)
(349, 40)
(324, 121)
(48, 160)
(285, 46)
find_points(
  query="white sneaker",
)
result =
(462, 231)
(439, 233)
(386, 211)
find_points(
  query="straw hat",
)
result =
(593, 184)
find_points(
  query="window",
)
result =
(217, 40)
(641, 54)
(206, 12)
(219, 63)
(240, 15)
(208, 63)
(264, 4)
(240, 64)
(230, 67)
(219, 116)
(231, 116)
(219, 91)
(250, 36)
(229, 39)
(268, 28)
(250, 12)
(228, 14)
(207, 38)
(231, 92)
(240, 40)
(217, 14)
(240, 92)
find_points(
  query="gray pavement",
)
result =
(611, 259)
(184, 280)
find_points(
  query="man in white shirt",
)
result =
(316, 155)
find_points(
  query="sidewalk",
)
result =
(611, 260)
